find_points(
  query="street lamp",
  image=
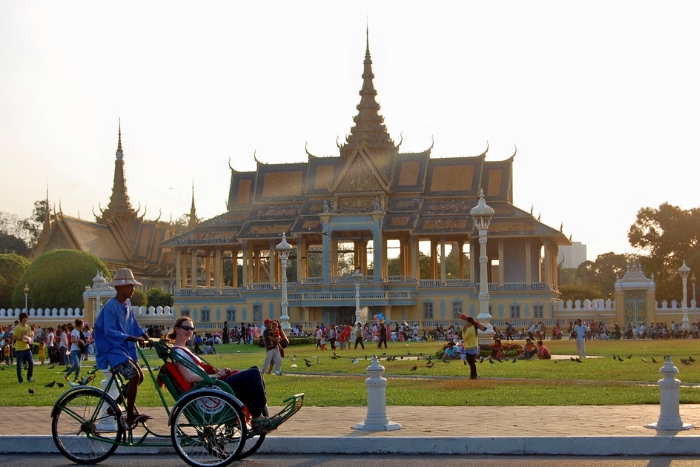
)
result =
(695, 303)
(482, 214)
(685, 271)
(357, 278)
(284, 248)
(26, 297)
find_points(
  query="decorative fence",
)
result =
(145, 315)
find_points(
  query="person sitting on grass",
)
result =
(529, 350)
(450, 351)
(497, 350)
(247, 384)
(543, 352)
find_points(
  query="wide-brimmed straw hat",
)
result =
(123, 276)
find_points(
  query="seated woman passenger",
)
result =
(247, 385)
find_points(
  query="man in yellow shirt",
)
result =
(23, 347)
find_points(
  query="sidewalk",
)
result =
(585, 430)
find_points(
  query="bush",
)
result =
(12, 266)
(57, 279)
(139, 298)
(156, 297)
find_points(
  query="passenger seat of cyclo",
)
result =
(178, 384)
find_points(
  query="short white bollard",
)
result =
(669, 387)
(108, 422)
(376, 401)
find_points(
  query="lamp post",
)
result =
(284, 248)
(26, 297)
(482, 214)
(357, 278)
(684, 272)
(695, 303)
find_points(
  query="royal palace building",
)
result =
(402, 219)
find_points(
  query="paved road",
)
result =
(374, 461)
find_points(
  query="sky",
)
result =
(600, 98)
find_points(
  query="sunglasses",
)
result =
(187, 328)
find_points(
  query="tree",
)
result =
(11, 244)
(12, 266)
(139, 298)
(57, 279)
(579, 292)
(156, 297)
(568, 276)
(603, 272)
(670, 235)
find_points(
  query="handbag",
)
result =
(574, 334)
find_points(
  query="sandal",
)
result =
(141, 418)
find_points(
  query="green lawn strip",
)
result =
(339, 382)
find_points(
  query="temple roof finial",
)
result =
(120, 153)
(193, 211)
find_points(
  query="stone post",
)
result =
(669, 387)
(376, 401)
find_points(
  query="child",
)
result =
(462, 351)
(6, 353)
(42, 352)
(323, 343)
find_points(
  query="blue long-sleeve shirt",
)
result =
(114, 325)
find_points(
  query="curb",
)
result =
(570, 445)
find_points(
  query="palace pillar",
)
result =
(415, 258)
(501, 263)
(528, 263)
(273, 265)
(218, 267)
(443, 265)
(193, 268)
(178, 271)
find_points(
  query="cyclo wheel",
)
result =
(208, 428)
(254, 441)
(81, 427)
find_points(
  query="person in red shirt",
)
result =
(543, 352)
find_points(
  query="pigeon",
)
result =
(401, 357)
(556, 361)
(354, 361)
(686, 362)
(409, 353)
(491, 360)
(383, 354)
(654, 360)
(318, 361)
(52, 366)
(481, 360)
(414, 367)
(620, 358)
(445, 360)
(572, 359)
(51, 384)
(464, 361)
(294, 358)
(334, 357)
(430, 364)
(365, 357)
(31, 391)
(630, 356)
(515, 359)
(308, 363)
(644, 360)
(60, 385)
(578, 360)
(691, 358)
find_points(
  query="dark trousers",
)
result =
(379, 344)
(359, 341)
(24, 356)
(471, 361)
(249, 388)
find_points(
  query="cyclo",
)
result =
(208, 425)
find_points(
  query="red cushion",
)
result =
(176, 376)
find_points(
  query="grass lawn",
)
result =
(340, 382)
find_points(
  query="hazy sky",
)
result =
(601, 99)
